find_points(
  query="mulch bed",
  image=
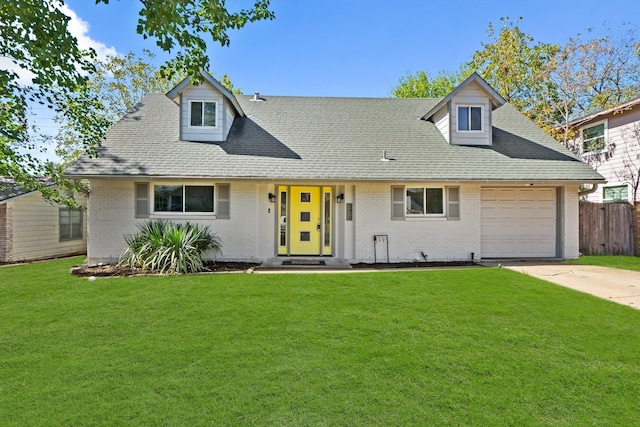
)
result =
(112, 270)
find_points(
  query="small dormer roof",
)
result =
(216, 84)
(496, 99)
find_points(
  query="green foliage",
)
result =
(226, 82)
(169, 248)
(36, 40)
(421, 85)
(181, 24)
(118, 84)
(612, 261)
(517, 68)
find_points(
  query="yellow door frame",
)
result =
(305, 220)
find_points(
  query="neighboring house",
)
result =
(609, 141)
(462, 177)
(31, 228)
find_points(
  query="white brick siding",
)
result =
(440, 239)
(250, 232)
(112, 216)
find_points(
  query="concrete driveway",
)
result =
(621, 286)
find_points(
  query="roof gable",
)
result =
(173, 93)
(494, 97)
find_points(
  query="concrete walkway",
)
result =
(621, 286)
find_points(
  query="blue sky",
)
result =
(359, 48)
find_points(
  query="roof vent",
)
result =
(384, 156)
(256, 97)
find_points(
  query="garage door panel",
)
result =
(518, 222)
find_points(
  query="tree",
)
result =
(37, 42)
(518, 68)
(118, 84)
(595, 74)
(421, 85)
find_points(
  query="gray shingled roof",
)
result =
(332, 139)
(10, 189)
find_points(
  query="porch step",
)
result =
(291, 263)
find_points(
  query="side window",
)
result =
(70, 224)
(593, 138)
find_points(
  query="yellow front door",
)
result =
(305, 225)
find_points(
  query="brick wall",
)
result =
(111, 212)
(6, 236)
(440, 239)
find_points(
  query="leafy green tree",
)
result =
(517, 68)
(421, 85)
(37, 42)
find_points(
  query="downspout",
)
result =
(592, 190)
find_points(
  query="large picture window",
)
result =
(593, 138)
(202, 113)
(70, 224)
(425, 201)
(469, 118)
(183, 198)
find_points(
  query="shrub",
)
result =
(169, 248)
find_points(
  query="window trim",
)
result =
(604, 137)
(396, 203)
(154, 213)
(69, 210)
(469, 106)
(615, 200)
(424, 202)
(203, 101)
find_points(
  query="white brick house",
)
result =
(443, 179)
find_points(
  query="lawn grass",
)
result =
(449, 347)
(613, 261)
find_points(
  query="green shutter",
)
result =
(142, 200)
(453, 202)
(397, 202)
(224, 195)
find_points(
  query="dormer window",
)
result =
(469, 118)
(202, 114)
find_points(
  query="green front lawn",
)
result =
(613, 261)
(449, 347)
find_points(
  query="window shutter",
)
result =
(453, 200)
(397, 202)
(224, 196)
(142, 200)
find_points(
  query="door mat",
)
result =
(303, 262)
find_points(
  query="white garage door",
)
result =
(518, 222)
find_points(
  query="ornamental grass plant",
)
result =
(169, 248)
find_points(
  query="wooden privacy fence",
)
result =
(607, 228)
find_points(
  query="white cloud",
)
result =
(79, 28)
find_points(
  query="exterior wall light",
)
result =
(340, 198)
(272, 197)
